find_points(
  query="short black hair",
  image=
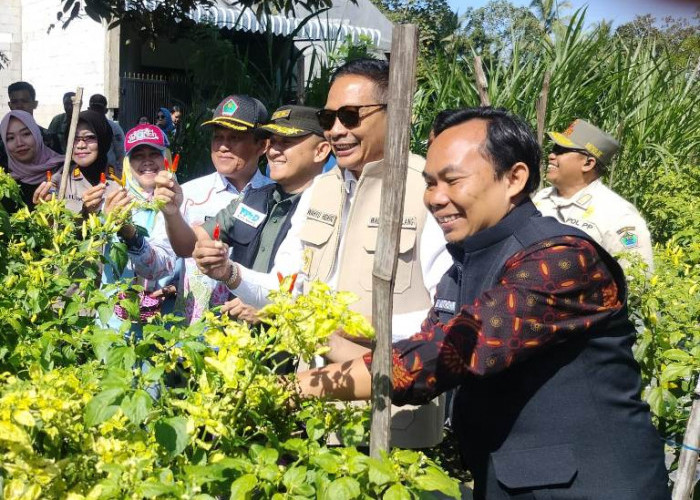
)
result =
(372, 69)
(19, 86)
(509, 139)
(98, 102)
(68, 95)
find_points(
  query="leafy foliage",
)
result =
(182, 412)
(666, 308)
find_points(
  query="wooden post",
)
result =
(688, 461)
(402, 86)
(541, 117)
(481, 82)
(77, 103)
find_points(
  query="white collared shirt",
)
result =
(613, 222)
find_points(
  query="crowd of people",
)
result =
(521, 317)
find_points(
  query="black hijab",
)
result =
(99, 126)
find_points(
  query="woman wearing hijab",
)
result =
(87, 186)
(28, 157)
(165, 121)
(146, 147)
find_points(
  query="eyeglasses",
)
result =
(87, 139)
(560, 150)
(349, 116)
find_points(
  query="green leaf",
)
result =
(101, 407)
(677, 355)
(675, 371)
(118, 256)
(343, 488)
(294, 477)
(268, 456)
(121, 357)
(327, 461)
(104, 311)
(655, 399)
(436, 480)
(315, 429)
(242, 487)
(380, 472)
(171, 434)
(137, 406)
(397, 492)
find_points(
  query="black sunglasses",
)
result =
(349, 116)
(560, 150)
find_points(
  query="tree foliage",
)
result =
(434, 18)
(169, 18)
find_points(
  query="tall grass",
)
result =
(634, 91)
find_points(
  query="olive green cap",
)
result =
(582, 135)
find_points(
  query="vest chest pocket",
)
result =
(316, 235)
(404, 267)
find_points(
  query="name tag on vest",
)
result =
(444, 305)
(249, 215)
(325, 217)
(408, 222)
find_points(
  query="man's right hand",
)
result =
(168, 191)
(212, 259)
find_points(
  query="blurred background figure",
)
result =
(98, 103)
(60, 123)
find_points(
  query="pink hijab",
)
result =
(44, 158)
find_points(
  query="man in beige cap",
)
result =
(579, 198)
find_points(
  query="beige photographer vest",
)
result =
(411, 426)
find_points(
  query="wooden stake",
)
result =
(541, 117)
(481, 82)
(77, 103)
(402, 86)
(688, 461)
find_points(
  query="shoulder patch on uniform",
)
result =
(625, 229)
(584, 200)
(629, 240)
(321, 216)
(76, 173)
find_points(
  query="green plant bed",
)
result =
(89, 412)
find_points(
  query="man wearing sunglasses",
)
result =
(335, 228)
(579, 198)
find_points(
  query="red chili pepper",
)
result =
(103, 178)
(280, 278)
(48, 176)
(217, 231)
(167, 165)
(176, 161)
(294, 280)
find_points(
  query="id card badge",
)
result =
(249, 215)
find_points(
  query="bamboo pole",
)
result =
(688, 461)
(77, 103)
(402, 86)
(541, 118)
(481, 82)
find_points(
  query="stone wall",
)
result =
(11, 46)
(60, 60)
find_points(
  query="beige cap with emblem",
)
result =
(582, 135)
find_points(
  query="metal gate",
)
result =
(143, 94)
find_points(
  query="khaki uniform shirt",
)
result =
(77, 185)
(613, 222)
